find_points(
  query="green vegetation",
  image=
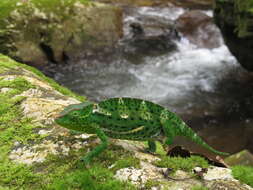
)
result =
(153, 183)
(243, 174)
(97, 178)
(7, 6)
(57, 172)
(7, 63)
(179, 163)
(199, 187)
(14, 128)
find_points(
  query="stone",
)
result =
(217, 173)
(241, 158)
(150, 36)
(199, 29)
(235, 20)
(61, 32)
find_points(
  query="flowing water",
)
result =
(205, 86)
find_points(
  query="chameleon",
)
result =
(128, 119)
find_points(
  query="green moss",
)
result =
(126, 162)
(7, 6)
(13, 127)
(243, 174)
(57, 172)
(52, 5)
(199, 187)
(118, 157)
(96, 178)
(178, 163)
(152, 183)
(8, 64)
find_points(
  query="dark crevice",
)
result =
(48, 52)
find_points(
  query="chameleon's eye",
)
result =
(75, 114)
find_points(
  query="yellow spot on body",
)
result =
(124, 116)
(126, 132)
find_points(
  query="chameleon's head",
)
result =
(75, 116)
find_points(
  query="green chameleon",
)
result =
(127, 118)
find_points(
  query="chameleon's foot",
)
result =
(86, 160)
(147, 150)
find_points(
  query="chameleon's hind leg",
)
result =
(151, 146)
(98, 149)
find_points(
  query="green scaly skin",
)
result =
(127, 118)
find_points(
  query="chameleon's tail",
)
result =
(189, 133)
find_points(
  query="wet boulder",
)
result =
(150, 36)
(199, 29)
(235, 20)
(35, 32)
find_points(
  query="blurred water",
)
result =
(204, 86)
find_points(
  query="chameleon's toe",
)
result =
(85, 160)
(149, 151)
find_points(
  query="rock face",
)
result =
(199, 29)
(235, 19)
(35, 32)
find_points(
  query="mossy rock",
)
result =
(37, 31)
(235, 19)
(241, 158)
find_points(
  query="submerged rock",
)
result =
(235, 19)
(36, 33)
(199, 29)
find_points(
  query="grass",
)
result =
(179, 163)
(243, 174)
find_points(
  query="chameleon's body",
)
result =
(127, 118)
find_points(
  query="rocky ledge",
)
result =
(38, 31)
(235, 19)
(38, 154)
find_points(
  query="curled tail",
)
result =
(186, 131)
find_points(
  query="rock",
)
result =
(235, 20)
(35, 33)
(217, 173)
(241, 158)
(227, 184)
(199, 29)
(150, 36)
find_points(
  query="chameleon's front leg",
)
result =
(98, 149)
